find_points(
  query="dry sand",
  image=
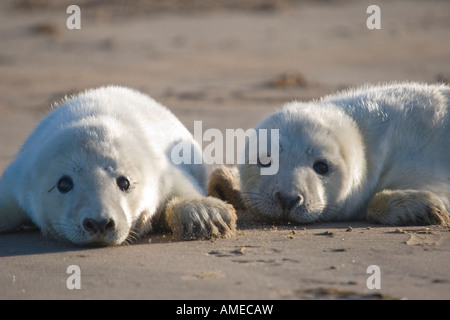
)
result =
(228, 64)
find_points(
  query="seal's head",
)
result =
(90, 185)
(321, 164)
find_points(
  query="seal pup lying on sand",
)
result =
(97, 170)
(382, 152)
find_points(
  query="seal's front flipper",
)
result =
(202, 218)
(11, 215)
(224, 184)
(190, 215)
(407, 207)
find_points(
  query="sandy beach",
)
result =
(228, 64)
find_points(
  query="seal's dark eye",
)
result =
(321, 167)
(123, 183)
(65, 184)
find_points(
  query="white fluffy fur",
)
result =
(93, 138)
(388, 151)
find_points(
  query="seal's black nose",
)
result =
(100, 226)
(287, 202)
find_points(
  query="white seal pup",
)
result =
(98, 170)
(378, 151)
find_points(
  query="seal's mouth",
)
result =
(281, 210)
(70, 231)
(77, 235)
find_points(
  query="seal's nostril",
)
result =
(89, 225)
(298, 201)
(110, 225)
(277, 197)
(293, 202)
(287, 202)
(98, 226)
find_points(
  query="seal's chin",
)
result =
(269, 210)
(302, 217)
(98, 243)
(292, 216)
(287, 217)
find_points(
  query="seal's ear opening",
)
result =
(224, 184)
